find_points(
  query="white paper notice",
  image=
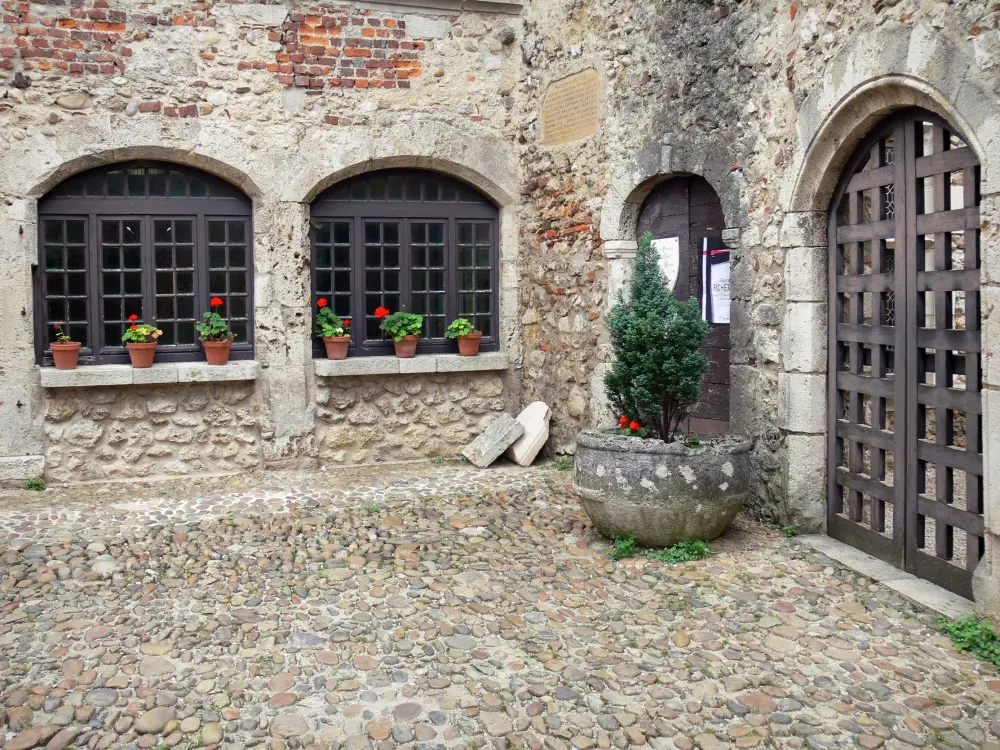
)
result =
(720, 293)
(669, 249)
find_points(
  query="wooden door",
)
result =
(689, 209)
(905, 411)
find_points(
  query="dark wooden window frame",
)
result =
(475, 208)
(224, 203)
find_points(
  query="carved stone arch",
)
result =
(184, 157)
(706, 157)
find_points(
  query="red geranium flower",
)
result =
(133, 317)
(623, 421)
(215, 301)
(381, 312)
(634, 426)
(345, 321)
(134, 327)
(321, 302)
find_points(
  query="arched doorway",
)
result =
(685, 217)
(905, 459)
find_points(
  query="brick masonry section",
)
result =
(344, 48)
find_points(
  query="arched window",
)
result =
(406, 240)
(142, 238)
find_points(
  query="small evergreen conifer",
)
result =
(657, 342)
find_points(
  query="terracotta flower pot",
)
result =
(468, 346)
(407, 347)
(217, 352)
(336, 346)
(142, 354)
(66, 355)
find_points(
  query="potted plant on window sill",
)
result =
(646, 479)
(403, 328)
(467, 336)
(141, 341)
(215, 334)
(65, 351)
(334, 330)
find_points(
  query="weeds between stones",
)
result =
(970, 634)
(681, 552)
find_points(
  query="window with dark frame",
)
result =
(151, 239)
(409, 240)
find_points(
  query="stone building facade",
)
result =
(765, 100)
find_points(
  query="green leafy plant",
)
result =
(398, 325)
(693, 440)
(788, 531)
(563, 463)
(371, 508)
(139, 332)
(459, 327)
(657, 342)
(61, 336)
(686, 551)
(631, 428)
(439, 460)
(213, 326)
(35, 484)
(970, 634)
(681, 552)
(327, 324)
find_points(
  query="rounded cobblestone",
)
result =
(450, 608)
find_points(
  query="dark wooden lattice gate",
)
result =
(905, 411)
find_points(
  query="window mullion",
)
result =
(96, 321)
(200, 257)
(358, 322)
(451, 261)
(405, 266)
(148, 274)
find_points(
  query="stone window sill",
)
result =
(164, 373)
(423, 364)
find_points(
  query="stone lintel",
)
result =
(446, 7)
(164, 373)
(422, 364)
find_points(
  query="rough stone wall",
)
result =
(718, 89)
(106, 433)
(393, 418)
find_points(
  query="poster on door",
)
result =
(669, 251)
(714, 281)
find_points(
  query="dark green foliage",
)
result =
(679, 553)
(657, 342)
(214, 328)
(35, 484)
(973, 635)
(789, 531)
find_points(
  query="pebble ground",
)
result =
(442, 607)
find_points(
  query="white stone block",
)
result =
(494, 440)
(802, 402)
(804, 337)
(354, 366)
(804, 229)
(86, 376)
(535, 419)
(479, 363)
(20, 468)
(417, 365)
(165, 372)
(805, 466)
(991, 460)
(422, 27)
(806, 274)
(252, 14)
(202, 372)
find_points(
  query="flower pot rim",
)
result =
(228, 342)
(65, 345)
(408, 337)
(336, 338)
(614, 443)
(473, 335)
(140, 343)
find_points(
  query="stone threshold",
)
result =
(421, 364)
(923, 593)
(164, 373)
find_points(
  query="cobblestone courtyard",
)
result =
(445, 607)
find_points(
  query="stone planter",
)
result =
(661, 493)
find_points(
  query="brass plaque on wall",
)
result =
(571, 109)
